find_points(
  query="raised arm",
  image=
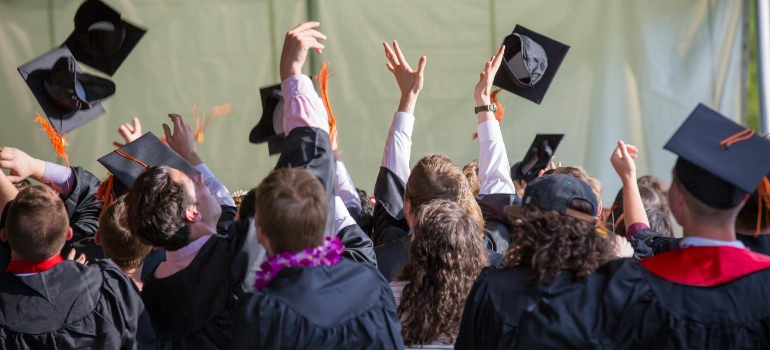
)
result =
(494, 170)
(343, 185)
(398, 145)
(633, 208)
(389, 221)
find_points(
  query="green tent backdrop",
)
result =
(635, 70)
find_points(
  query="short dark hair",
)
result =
(291, 210)
(155, 208)
(247, 208)
(37, 223)
(118, 244)
(20, 185)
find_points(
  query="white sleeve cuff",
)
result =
(403, 122)
(489, 131)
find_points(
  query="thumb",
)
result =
(118, 144)
(14, 178)
(71, 254)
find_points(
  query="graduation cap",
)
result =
(270, 126)
(68, 97)
(530, 62)
(101, 39)
(130, 161)
(537, 157)
(719, 161)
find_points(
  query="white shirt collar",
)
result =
(707, 242)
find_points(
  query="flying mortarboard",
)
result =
(530, 63)
(68, 97)
(101, 39)
(270, 126)
(130, 161)
(537, 157)
(719, 161)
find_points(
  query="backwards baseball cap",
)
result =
(720, 161)
(101, 39)
(537, 157)
(555, 192)
(531, 62)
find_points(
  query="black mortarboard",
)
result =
(530, 62)
(130, 161)
(537, 157)
(270, 126)
(68, 97)
(555, 192)
(719, 161)
(101, 39)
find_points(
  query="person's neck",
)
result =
(721, 232)
(200, 229)
(135, 274)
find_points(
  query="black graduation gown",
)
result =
(497, 226)
(659, 243)
(693, 298)
(71, 306)
(193, 308)
(389, 221)
(502, 312)
(344, 306)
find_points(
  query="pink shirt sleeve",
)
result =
(635, 228)
(301, 104)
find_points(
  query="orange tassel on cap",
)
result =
(323, 77)
(104, 193)
(764, 199)
(57, 140)
(500, 109)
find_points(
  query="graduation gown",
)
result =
(688, 298)
(344, 306)
(193, 308)
(504, 312)
(71, 306)
(497, 226)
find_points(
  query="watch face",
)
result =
(494, 108)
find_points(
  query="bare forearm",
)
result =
(633, 207)
(7, 190)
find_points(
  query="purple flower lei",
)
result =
(327, 254)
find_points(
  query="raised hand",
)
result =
(409, 81)
(296, 45)
(80, 259)
(129, 132)
(182, 140)
(20, 164)
(622, 160)
(486, 78)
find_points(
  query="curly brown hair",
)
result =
(446, 256)
(549, 242)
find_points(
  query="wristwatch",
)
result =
(492, 108)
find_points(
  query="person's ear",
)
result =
(263, 240)
(69, 233)
(3, 235)
(408, 213)
(97, 238)
(191, 214)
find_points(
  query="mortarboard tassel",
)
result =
(500, 109)
(216, 112)
(323, 76)
(57, 140)
(104, 193)
(764, 198)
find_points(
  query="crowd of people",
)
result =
(158, 255)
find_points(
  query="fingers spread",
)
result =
(421, 65)
(167, 131)
(391, 55)
(304, 26)
(400, 55)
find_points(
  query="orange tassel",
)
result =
(764, 199)
(104, 193)
(57, 140)
(200, 126)
(323, 77)
(500, 109)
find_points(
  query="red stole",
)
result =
(19, 266)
